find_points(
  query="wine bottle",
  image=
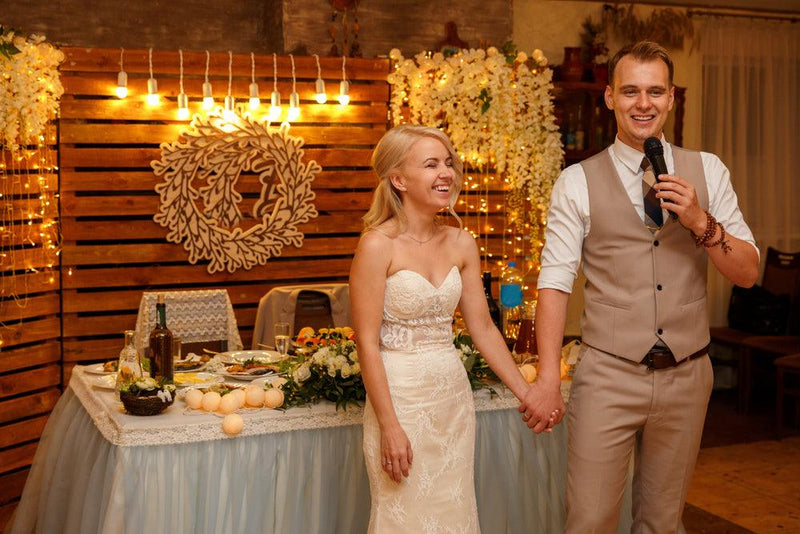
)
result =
(161, 344)
(494, 309)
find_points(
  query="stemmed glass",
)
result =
(282, 338)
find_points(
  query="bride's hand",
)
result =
(396, 454)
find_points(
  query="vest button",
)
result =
(659, 287)
(660, 330)
(655, 243)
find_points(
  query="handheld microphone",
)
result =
(654, 152)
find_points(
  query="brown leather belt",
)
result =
(662, 358)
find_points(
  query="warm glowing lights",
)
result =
(183, 100)
(294, 98)
(208, 98)
(229, 112)
(344, 86)
(152, 85)
(275, 98)
(319, 86)
(122, 77)
(255, 102)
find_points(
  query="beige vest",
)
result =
(640, 286)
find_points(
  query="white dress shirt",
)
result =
(569, 221)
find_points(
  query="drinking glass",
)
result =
(282, 338)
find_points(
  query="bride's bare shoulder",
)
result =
(378, 239)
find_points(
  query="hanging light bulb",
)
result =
(320, 95)
(183, 100)
(275, 99)
(208, 99)
(229, 113)
(294, 98)
(255, 102)
(122, 77)
(344, 86)
(152, 85)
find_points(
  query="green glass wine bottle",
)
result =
(161, 344)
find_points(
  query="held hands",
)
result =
(680, 198)
(543, 407)
(396, 453)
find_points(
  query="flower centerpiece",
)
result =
(478, 371)
(326, 368)
(147, 396)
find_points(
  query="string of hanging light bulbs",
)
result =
(275, 111)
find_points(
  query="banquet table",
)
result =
(98, 469)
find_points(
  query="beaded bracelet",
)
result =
(711, 229)
(721, 241)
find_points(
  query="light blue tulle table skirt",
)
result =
(305, 481)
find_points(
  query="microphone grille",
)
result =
(652, 145)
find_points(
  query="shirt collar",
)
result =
(632, 158)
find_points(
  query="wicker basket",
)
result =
(144, 404)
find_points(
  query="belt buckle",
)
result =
(648, 361)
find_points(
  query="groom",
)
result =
(644, 379)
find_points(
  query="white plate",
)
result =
(200, 367)
(246, 376)
(106, 382)
(269, 356)
(97, 369)
(193, 379)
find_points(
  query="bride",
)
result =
(408, 275)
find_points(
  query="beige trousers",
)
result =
(616, 409)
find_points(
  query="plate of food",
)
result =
(106, 382)
(193, 362)
(188, 378)
(240, 356)
(106, 368)
(249, 369)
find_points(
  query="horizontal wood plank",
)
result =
(11, 485)
(20, 432)
(145, 133)
(30, 356)
(19, 333)
(120, 181)
(37, 403)
(291, 271)
(25, 381)
(33, 306)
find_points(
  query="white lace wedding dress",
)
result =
(433, 401)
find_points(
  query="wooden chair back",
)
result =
(313, 309)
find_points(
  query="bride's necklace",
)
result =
(422, 242)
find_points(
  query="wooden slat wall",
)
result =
(113, 251)
(30, 331)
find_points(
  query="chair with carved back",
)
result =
(202, 319)
(758, 352)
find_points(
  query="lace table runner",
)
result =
(179, 424)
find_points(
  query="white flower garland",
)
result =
(30, 87)
(497, 113)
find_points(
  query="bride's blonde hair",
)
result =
(389, 154)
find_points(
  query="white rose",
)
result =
(346, 371)
(302, 373)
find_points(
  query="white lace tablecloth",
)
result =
(179, 424)
(185, 476)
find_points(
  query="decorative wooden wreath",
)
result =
(218, 151)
